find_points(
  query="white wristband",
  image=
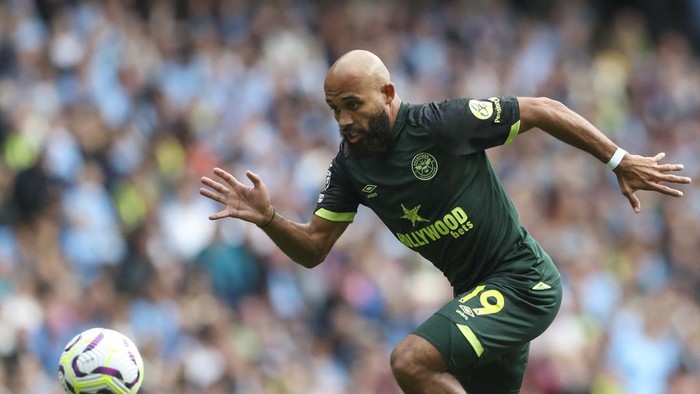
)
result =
(616, 158)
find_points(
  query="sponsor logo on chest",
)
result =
(455, 223)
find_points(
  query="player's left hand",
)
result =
(645, 173)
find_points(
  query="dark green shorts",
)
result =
(484, 333)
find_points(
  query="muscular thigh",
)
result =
(484, 333)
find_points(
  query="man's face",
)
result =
(369, 141)
(363, 121)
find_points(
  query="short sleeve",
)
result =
(337, 202)
(465, 125)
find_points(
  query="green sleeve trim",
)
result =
(514, 129)
(335, 216)
(471, 338)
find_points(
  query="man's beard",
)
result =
(375, 139)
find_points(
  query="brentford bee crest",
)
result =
(424, 166)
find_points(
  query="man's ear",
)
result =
(389, 92)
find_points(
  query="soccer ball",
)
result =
(100, 361)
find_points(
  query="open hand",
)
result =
(645, 173)
(249, 203)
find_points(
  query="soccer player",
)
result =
(424, 171)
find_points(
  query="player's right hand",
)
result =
(249, 203)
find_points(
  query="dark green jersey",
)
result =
(437, 192)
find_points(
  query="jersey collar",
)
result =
(400, 120)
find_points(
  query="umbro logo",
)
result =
(369, 191)
(467, 310)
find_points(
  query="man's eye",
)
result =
(353, 106)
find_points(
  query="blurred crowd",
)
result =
(111, 111)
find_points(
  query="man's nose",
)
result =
(344, 119)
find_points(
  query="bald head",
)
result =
(357, 68)
(363, 99)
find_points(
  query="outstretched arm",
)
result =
(307, 244)
(634, 172)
